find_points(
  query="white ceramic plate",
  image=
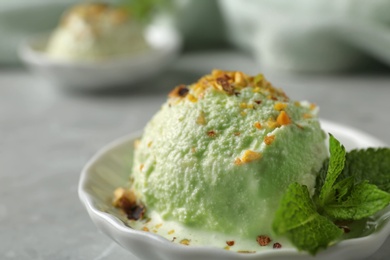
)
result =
(164, 45)
(110, 168)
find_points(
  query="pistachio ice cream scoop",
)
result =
(221, 152)
(95, 31)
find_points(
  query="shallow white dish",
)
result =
(164, 45)
(110, 169)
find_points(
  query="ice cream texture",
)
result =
(220, 153)
(95, 31)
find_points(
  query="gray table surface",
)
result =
(47, 135)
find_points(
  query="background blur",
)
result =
(334, 53)
(301, 35)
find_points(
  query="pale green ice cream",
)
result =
(220, 153)
(96, 31)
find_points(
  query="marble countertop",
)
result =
(47, 135)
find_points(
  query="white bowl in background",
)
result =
(164, 46)
(110, 169)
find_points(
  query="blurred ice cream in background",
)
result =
(301, 35)
(96, 31)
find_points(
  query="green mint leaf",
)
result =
(297, 218)
(343, 188)
(364, 200)
(335, 167)
(349, 186)
(340, 191)
(372, 164)
(321, 177)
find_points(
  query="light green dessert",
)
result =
(220, 154)
(95, 31)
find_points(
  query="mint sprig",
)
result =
(298, 219)
(363, 201)
(370, 164)
(335, 166)
(350, 186)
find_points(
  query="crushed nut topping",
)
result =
(230, 82)
(192, 98)
(211, 133)
(258, 80)
(121, 196)
(127, 201)
(269, 139)
(226, 86)
(249, 156)
(170, 232)
(280, 106)
(258, 102)
(250, 106)
(238, 161)
(201, 120)
(263, 240)
(257, 125)
(283, 118)
(136, 212)
(271, 123)
(91, 13)
(307, 116)
(240, 79)
(344, 225)
(256, 90)
(246, 252)
(141, 167)
(185, 242)
(230, 243)
(277, 245)
(145, 229)
(179, 91)
(243, 105)
(345, 229)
